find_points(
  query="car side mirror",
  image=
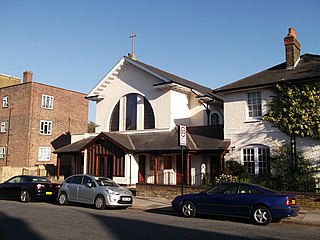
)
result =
(89, 184)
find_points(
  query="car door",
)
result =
(243, 201)
(11, 189)
(218, 200)
(73, 188)
(86, 190)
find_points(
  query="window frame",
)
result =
(3, 127)
(256, 158)
(47, 101)
(5, 101)
(2, 152)
(254, 105)
(44, 154)
(45, 127)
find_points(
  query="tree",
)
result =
(91, 127)
(295, 109)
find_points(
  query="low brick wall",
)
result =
(305, 200)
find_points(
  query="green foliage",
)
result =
(236, 169)
(295, 109)
(284, 177)
(91, 127)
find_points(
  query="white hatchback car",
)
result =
(99, 191)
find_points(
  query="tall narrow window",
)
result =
(5, 101)
(3, 127)
(114, 123)
(131, 111)
(254, 105)
(47, 102)
(45, 127)
(2, 152)
(256, 159)
(148, 115)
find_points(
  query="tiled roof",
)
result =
(308, 69)
(181, 81)
(150, 141)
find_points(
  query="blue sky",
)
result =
(72, 44)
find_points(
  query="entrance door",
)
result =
(110, 166)
(186, 171)
(142, 168)
(215, 166)
(106, 166)
(102, 168)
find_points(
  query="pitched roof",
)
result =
(149, 141)
(169, 80)
(308, 69)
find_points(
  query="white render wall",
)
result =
(243, 131)
(170, 107)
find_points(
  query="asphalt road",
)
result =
(38, 220)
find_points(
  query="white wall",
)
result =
(243, 131)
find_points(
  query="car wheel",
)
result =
(188, 209)
(100, 202)
(261, 216)
(63, 199)
(24, 196)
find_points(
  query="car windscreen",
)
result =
(106, 182)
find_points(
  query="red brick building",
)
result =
(32, 115)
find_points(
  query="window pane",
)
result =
(148, 115)
(114, 124)
(131, 111)
(254, 104)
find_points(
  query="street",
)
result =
(37, 220)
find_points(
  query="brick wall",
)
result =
(69, 113)
(305, 200)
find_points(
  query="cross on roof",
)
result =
(132, 37)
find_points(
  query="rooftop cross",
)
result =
(132, 37)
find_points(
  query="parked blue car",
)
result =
(259, 204)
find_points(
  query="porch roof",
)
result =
(150, 141)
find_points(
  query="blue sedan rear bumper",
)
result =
(285, 212)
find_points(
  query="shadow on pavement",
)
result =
(13, 228)
(169, 211)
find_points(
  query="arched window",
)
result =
(130, 114)
(256, 158)
(214, 119)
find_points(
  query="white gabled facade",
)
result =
(172, 104)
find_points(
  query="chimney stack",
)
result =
(292, 49)
(27, 76)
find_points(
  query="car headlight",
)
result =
(109, 191)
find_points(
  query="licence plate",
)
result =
(293, 202)
(48, 193)
(126, 199)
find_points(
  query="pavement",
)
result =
(305, 217)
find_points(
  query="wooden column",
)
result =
(58, 166)
(156, 170)
(188, 182)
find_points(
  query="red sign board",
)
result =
(182, 135)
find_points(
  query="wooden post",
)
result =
(58, 166)
(156, 170)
